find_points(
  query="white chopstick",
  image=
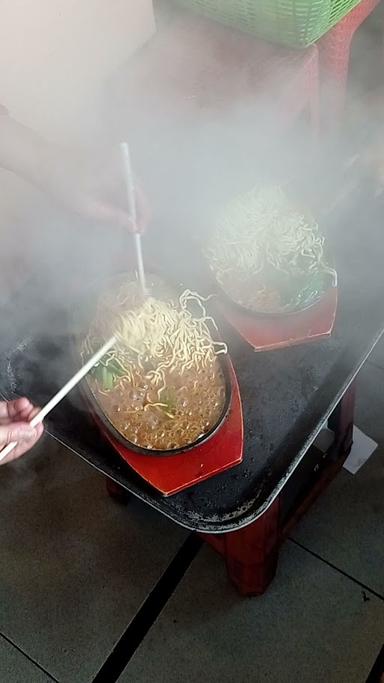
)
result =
(130, 187)
(63, 392)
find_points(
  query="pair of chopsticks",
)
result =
(130, 187)
(108, 345)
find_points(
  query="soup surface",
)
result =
(156, 403)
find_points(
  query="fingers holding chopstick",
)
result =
(10, 443)
(19, 410)
(15, 427)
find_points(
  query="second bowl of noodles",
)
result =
(267, 255)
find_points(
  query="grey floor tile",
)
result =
(74, 566)
(346, 525)
(313, 625)
(16, 668)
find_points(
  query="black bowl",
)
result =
(82, 318)
(305, 305)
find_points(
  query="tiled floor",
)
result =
(15, 667)
(313, 625)
(75, 568)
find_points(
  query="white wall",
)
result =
(56, 54)
(55, 57)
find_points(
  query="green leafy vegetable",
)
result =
(107, 375)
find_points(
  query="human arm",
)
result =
(88, 184)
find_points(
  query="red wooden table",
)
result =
(334, 58)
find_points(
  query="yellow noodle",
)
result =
(161, 334)
(261, 229)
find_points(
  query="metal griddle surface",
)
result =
(286, 394)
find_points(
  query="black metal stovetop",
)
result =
(287, 395)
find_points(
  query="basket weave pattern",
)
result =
(296, 23)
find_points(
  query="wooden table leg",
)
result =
(251, 553)
(341, 422)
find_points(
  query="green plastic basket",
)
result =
(296, 23)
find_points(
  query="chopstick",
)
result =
(80, 374)
(130, 187)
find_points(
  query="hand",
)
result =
(93, 187)
(14, 419)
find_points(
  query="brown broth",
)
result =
(194, 406)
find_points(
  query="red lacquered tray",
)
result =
(268, 333)
(174, 473)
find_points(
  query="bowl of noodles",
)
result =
(165, 386)
(268, 255)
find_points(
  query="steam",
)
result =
(194, 145)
